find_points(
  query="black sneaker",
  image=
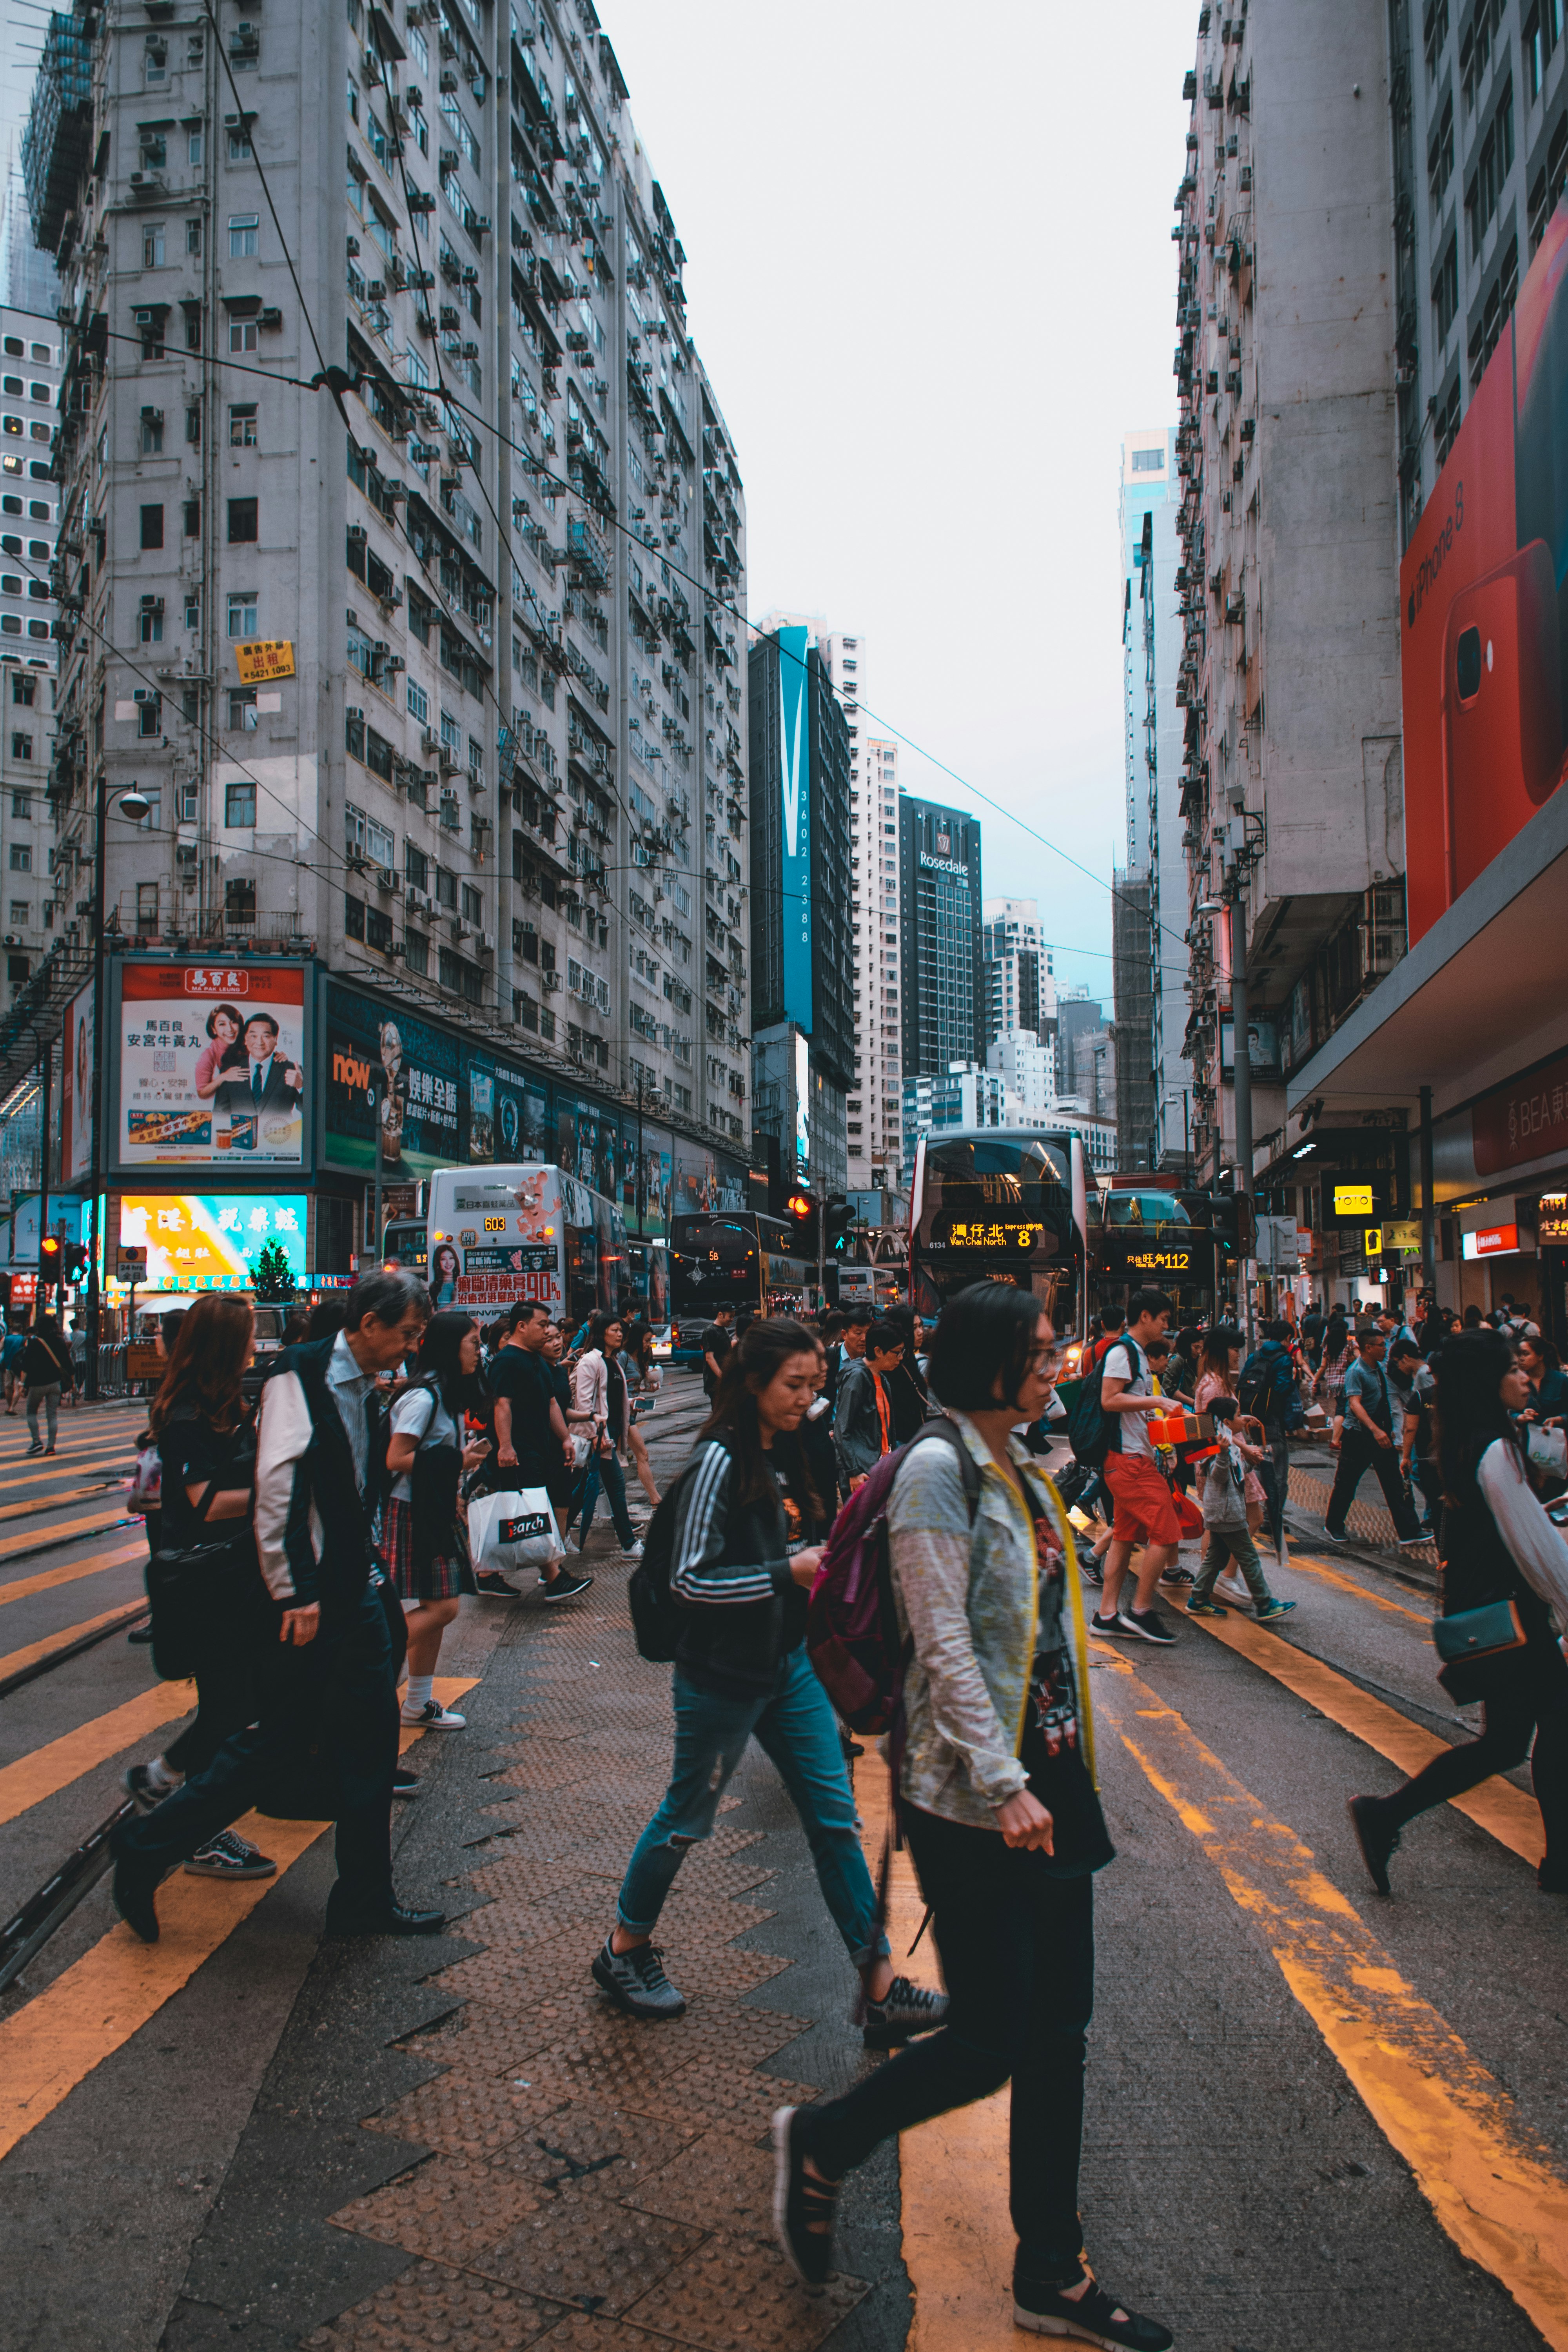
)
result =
(1108, 1626)
(1089, 2318)
(1178, 1576)
(799, 2202)
(497, 1585)
(143, 1792)
(406, 1783)
(905, 2010)
(227, 1857)
(635, 1980)
(567, 1586)
(1148, 1624)
(1377, 1842)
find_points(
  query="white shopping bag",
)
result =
(514, 1535)
(1548, 1449)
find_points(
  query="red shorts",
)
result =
(1145, 1513)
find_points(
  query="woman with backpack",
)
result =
(45, 1367)
(205, 1444)
(423, 1537)
(739, 1566)
(996, 1794)
(1506, 1565)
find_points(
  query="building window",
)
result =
(242, 710)
(240, 147)
(151, 620)
(147, 906)
(150, 327)
(21, 913)
(242, 615)
(21, 858)
(244, 235)
(1440, 153)
(239, 804)
(242, 522)
(193, 137)
(1446, 290)
(151, 432)
(191, 518)
(242, 425)
(152, 245)
(239, 905)
(21, 748)
(24, 690)
(149, 714)
(194, 234)
(419, 702)
(242, 335)
(151, 527)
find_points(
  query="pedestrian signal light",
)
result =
(73, 1261)
(1372, 1241)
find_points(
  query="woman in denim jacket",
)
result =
(999, 1807)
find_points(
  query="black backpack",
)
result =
(1092, 1433)
(656, 1613)
(1262, 1393)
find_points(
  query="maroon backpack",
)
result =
(852, 1624)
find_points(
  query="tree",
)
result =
(271, 1276)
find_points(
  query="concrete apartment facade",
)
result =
(1292, 778)
(29, 514)
(1019, 973)
(500, 774)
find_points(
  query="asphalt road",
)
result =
(1316, 2119)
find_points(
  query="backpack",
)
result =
(1261, 1393)
(656, 1613)
(852, 1625)
(1092, 1433)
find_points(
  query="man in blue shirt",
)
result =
(1367, 1443)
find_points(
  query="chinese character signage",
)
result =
(264, 658)
(795, 813)
(211, 1241)
(211, 1061)
(400, 1067)
(991, 1234)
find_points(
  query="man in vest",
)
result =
(1368, 1443)
(329, 1680)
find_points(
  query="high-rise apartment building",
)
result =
(402, 561)
(802, 974)
(31, 917)
(941, 956)
(1151, 1032)
(1291, 782)
(1019, 972)
(1078, 1013)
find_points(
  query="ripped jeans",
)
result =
(798, 1729)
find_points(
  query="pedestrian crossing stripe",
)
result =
(93, 2008)
(72, 1571)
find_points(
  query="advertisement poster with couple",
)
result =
(211, 1065)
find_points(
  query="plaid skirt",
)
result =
(442, 1580)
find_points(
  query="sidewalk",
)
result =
(1370, 1526)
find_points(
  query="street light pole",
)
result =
(1241, 1053)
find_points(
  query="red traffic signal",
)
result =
(800, 1204)
(49, 1254)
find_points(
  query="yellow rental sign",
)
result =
(1372, 1241)
(1352, 1200)
(265, 659)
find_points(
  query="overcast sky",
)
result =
(931, 277)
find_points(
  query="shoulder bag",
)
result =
(200, 1593)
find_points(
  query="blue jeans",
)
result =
(798, 1729)
(605, 1470)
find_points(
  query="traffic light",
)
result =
(73, 1261)
(50, 1253)
(837, 1218)
(801, 1208)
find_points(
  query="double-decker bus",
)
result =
(731, 1257)
(496, 1235)
(1146, 1235)
(406, 1243)
(1001, 1205)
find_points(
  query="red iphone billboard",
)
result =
(1485, 637)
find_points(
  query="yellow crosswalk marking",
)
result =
(47, 1578)
(94, 2007)
(21, 1659)
(1492, 2184)
(40, 1503)
(30, 1538)
(50, 1769)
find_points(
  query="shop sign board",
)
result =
(404, 1068)
(210, 1241)
(261, 660)
(211, 1065)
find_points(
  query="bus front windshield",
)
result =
(998, 1209)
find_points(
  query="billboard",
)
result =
(211, 1064)
(76, 1089)
(415, 1068)
(507, 1112)
(210, 1241)
(1484, 608)
(795, 812)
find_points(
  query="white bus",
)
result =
(496, 1235)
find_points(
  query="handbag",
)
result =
(514, 1535)
(198, 1591)
(1466, 1641)
(1548, 1449)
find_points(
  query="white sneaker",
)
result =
(634, 1553)
(1232, 1586)
(432, 1717)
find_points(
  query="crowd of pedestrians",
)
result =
(313, 1548)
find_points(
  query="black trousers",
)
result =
(1017, 1954)
(1358, 1454)
(1274, 1476)
(229, 1697)
(1531, 1695)
(334, 1697)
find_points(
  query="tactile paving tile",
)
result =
(720, 2181)
(444, 2209)
(432, 2308)
(603, 2151)
(557, 1767)
(475, 2116)
(734, 2294)
(626, 2072)
(482, 2039)
(733, 2096)
(575, 2245)
(583, 2332)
